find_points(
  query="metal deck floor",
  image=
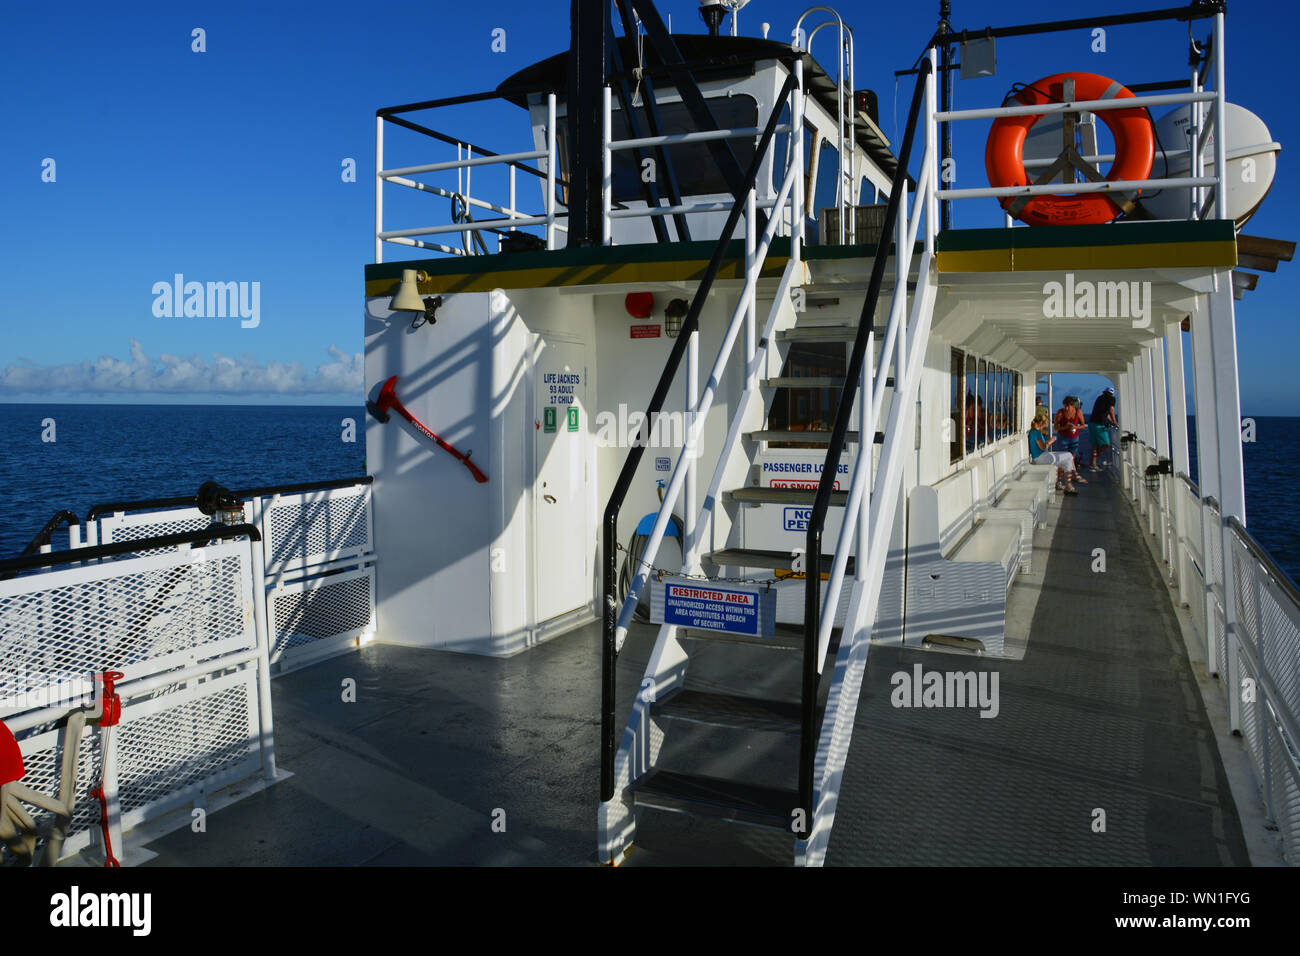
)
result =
(1102, 712)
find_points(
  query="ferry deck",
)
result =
(448, 661)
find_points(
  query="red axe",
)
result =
(388, 399)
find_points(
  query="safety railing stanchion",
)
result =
(261, 623)
(1220, 123)
(607, 159)
(932, 152)
(379, 188)
(551, 158)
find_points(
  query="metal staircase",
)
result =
(806, 723)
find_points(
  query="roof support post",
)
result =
(1124, 403)
(1179, 454)
(1231, 483)
(1160, 421)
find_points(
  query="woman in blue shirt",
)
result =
(1039, 443)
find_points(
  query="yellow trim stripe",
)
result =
(1152, 255)
(550, 276)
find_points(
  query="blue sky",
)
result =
(225, 166)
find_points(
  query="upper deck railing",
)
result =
(507, 217)
(1206, 192)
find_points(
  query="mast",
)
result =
(588, 63)
(945, 96)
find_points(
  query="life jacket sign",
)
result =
(735, 609)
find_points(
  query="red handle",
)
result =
(388, 399)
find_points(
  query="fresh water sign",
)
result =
(699, 604)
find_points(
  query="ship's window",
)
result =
(1000, 406)
(783, 156)
(982, 404)
(693, 165)
(808, 409)
(969, 412)
(823, 195)
(957, 377)
(1016, 422)
(1008, 401)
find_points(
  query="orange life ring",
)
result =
(1135, 150)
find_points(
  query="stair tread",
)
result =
(824, 333)
(809, 437)
(761, 558)
(785, 639)
(789, 496)
(804, 381)
(728, 710)
(716, 797)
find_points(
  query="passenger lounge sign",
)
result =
(699, 604)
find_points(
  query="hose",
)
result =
(635, 551)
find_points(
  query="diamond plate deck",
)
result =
(1103, 714)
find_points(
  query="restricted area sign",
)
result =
(736, 609)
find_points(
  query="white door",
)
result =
(562, 546)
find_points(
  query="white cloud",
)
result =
(182, 375)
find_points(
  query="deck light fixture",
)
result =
(674, 312)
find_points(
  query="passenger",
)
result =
(1039, 443)
(1069, 421)
(1099, 425)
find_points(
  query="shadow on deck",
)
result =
(1103, 712)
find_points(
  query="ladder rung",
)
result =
(806, 437)
(786, 496)
(804, 381)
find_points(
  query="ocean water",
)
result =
(1269, 465)
(104, 453)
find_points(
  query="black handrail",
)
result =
(808, 725)
(75, 556)
(609, 540)
(43, 536)
(192, 500)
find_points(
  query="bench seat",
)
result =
(960, 565)
(996, 541)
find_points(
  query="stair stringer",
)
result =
(639, 747)
(851, 661)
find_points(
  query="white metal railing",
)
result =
(611, 146)
(871, 525)
(180, 625)
(511, 217)
(699, 404)
(1199, 131)
(1245, 613)
(316, 565)
(847, 177)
